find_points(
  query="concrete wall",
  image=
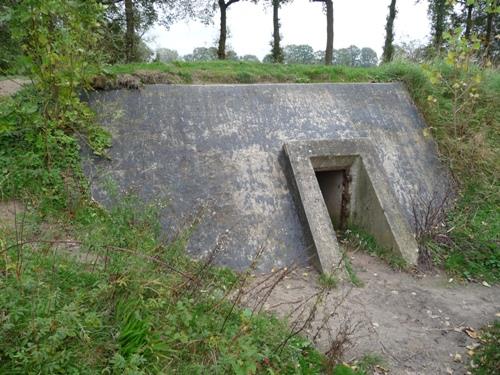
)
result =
(220, 146)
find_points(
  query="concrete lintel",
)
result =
(373, 205)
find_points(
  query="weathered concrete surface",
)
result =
(371, 204)
(221, 145)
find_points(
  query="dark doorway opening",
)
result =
(334, 185)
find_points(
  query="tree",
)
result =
(277, 51)
(478, 18)
(342, 57)
(250, 58)
(368, 57)
(204, 54)
(232, 55)
(299, 54)
(329, 30)
(439, 12)
(411, 50)
(492, 25)
(389, 33)
(223, 5)
(353, 56)
(132, 18)
(268, 59)
(166, 55)
(319, 57)
(468, 22)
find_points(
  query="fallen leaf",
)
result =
(457, 357)
(473, 346)
(486, 284)
(471, 333)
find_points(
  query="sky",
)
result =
(356, 22)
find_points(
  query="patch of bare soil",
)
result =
(134, 81)
(419, 325)
(53, 236)
(11, 86)
(10, 212)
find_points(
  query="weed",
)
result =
(486, 359)
(358, 239)
(355, 280)
(368, 363)
(327, 281)
(132, 309)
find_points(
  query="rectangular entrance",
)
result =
(334, 186)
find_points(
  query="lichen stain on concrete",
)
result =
(221, 145)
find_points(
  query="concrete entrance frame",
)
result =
(371, 206)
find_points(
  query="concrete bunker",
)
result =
(343, 183)
(221, 147)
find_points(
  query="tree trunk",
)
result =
(468, 22)
(439, 24)
(277, 51)
(221, 51)
(130, 32)
(329, 32)
(389, 33)
(488, 32)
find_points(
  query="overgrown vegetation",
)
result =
(357, 239)
(486, 359)
(111, 296)
(40, 128)
(368, 364)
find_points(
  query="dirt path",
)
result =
(11, 86)
(415, 324)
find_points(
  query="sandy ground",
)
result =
(11, 86)
(416, 323)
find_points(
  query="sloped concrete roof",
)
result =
(221, 146)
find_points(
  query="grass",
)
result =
(327, 281)
(364, 366)
(356, 238)
(353, 277)
(250, 72)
